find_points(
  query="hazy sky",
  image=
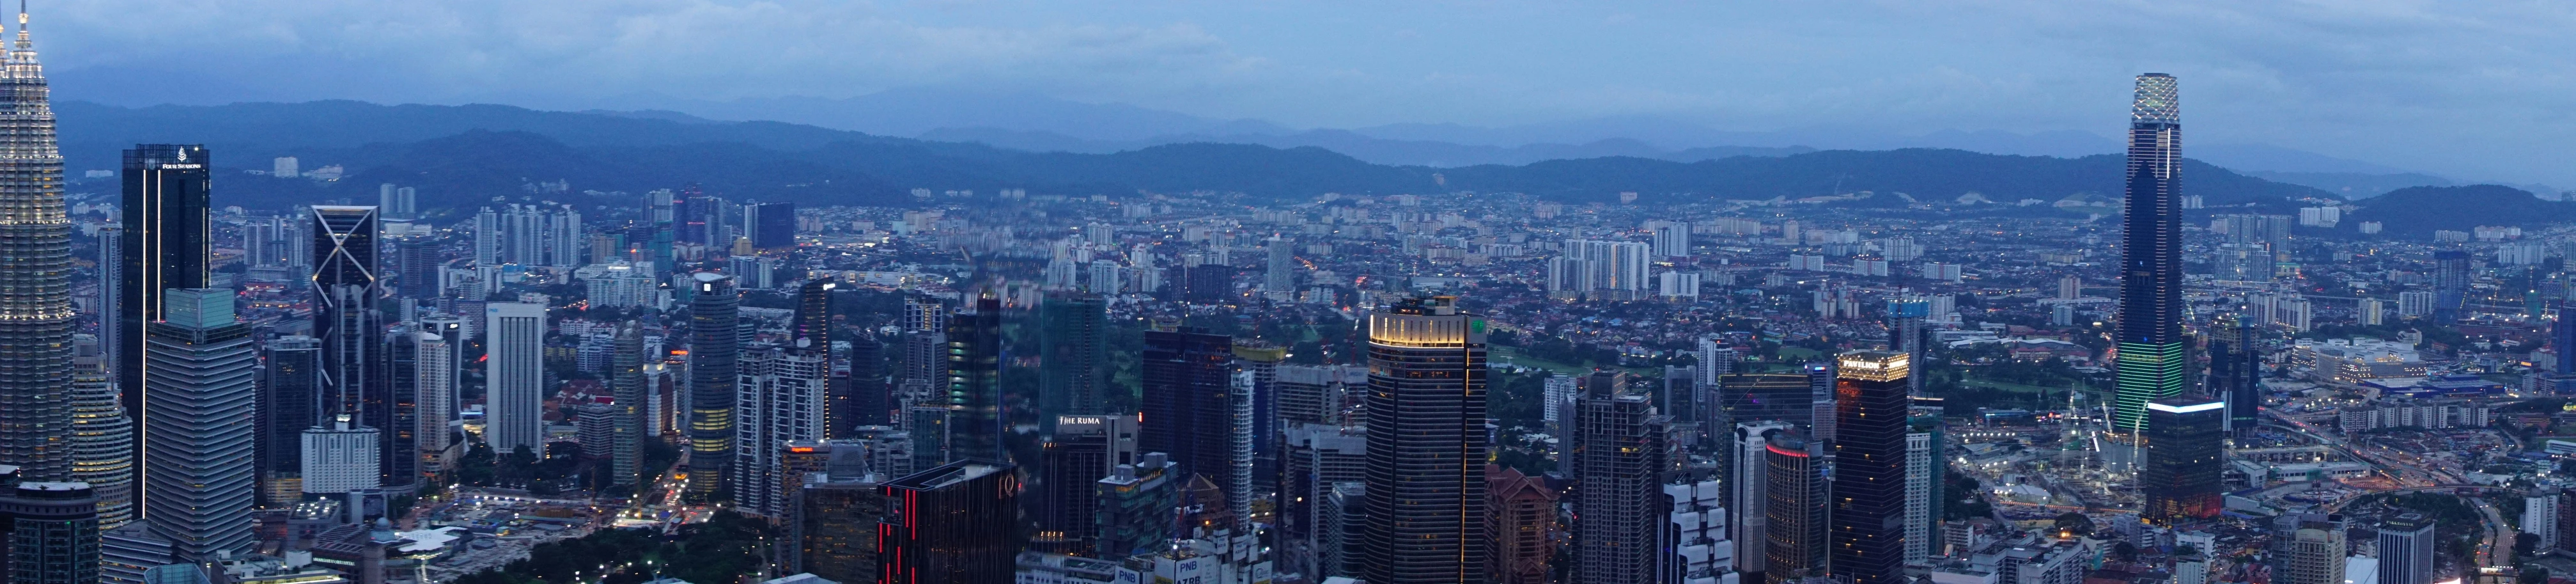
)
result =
(2472, 89)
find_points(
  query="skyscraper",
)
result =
(2450, 284)
(2406, 550)
(1793, 508)
(2151, 353)
(975, 383)
(951, 524)
(346, 286)
(35, 287)
(2185, 452)
(290, 402)
(1619, 458)
(2307, 548)
(102, 437)
(1426, 419)
(1870, 427)
(1084, 449)
(165, 244)
(1073, 344)
(1188, 401)
(51, 531)
(1523, 524)
(434, 380)
(771, 225)
(199, 393)
(1923, 477)
(514, 377)
(396, 417)
(1748, 473)
(715, 348)
(2236, 371)
(626, 379)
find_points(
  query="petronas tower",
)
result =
(35, 288)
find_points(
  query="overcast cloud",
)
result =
(2477, 90)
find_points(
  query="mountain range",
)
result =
(460, 156)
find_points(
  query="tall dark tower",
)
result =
(1868, 520)
(1073, 341)
(1426, 444)
(165, 245)
(2450, 285)
(2185, 454)
(715, 351)
(1188, 401)
(347, 282)
(2151, 355)
(2236, 371)
(35, 284)
(975, 383)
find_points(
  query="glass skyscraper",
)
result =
(2184, 457)
(164, 245)
(2236, 370)
(35, 284)
(2151, 354)
(1426, 444)
(1871, 407)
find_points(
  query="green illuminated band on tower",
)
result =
(2147, 372)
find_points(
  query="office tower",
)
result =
(290, 402)
(1523, 522)
(1189, 400)
(781, 401)
(715, 348)
(434, 380)
(199, 393)
(1314, 394)
(2150, 339)
(869, 399)
(1905, 333)
(346, 318)
(1670, 239)
(514, 377)
(1793, 508)
(1257, 378)
(2236, 371)
(1924, 471)
(975, 383)
(951, 524)
(924, 359)
(1871, 406)
(1619, 457)
(772, 225)
(397, 419)
(1084, 450)
(1748, 472)
(1695, 546)
(626, 381)
(2307, 548)
(52, 531)
(1427, 443)
(1820, 403)
(111, 279)
(835, 525)
(487, 238)
(1073, 347)
(1679, 396)
(2241, 262)
(2185, 448)
(2406, 550)
(2450, 285)
(1749, 397)
(36, 320)
(340, 458)
(1716, 358)
(1341, 528)
(166, 241)
(102, 436)
(418, 265)
(1135, 507)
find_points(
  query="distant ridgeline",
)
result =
(462, 156)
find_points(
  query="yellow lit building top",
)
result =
(1872, 365)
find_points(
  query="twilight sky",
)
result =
(2474, 90)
